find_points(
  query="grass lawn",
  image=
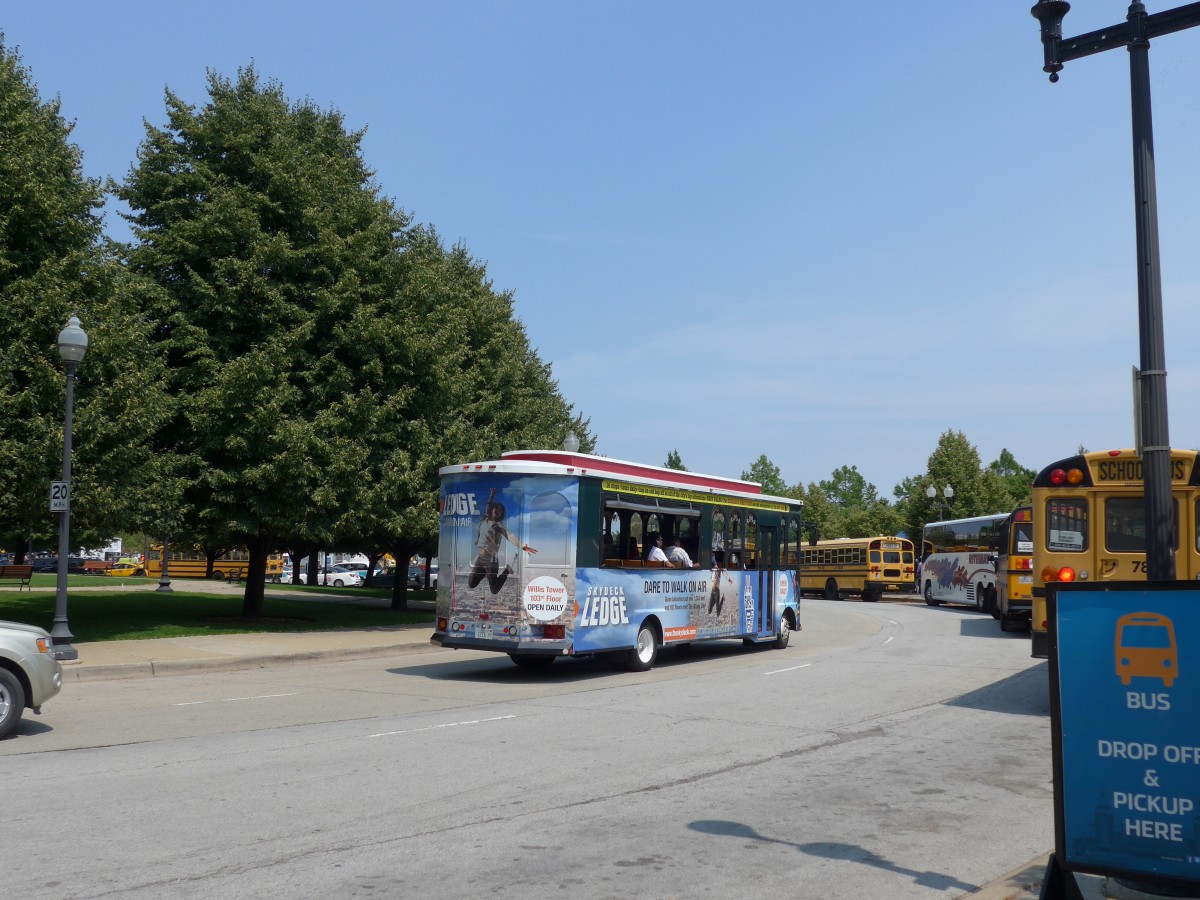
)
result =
(110, 615)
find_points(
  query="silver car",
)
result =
(29, 673)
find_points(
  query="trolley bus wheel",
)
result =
(531, 661)
(831, 590)
(645, 651)
(929, 595)
(784, 635)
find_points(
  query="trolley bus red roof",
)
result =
(599, 465)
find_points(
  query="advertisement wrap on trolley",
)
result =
(511, 581)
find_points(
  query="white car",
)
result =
(334, 576)
(29, 673)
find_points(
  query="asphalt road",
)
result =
(894, 750)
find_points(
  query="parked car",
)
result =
(416, 577)
(29, 673)
(125, 568)
(335, 576)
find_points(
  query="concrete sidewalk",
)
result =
(103, 660)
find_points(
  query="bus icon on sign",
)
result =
(1145, 648)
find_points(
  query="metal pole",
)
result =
(60, 633)
(1156, 445)
(164, 580)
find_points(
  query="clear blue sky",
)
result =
(825, 232)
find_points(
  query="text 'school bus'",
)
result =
(546, 553)
(1014, 570)
(194, 563)
(958, 561)
(1090, 524)
(869, 567)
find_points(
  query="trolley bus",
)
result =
(958, 561)
(193, 563)
(1014, 569)
(869, 567)
(1090, 524)
(542, 556)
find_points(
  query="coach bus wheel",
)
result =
(831, 590)
(531, 661)
(929, 595)
(645, 651)
(785, 633)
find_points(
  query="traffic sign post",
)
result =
(1125, 717)
(60, 496)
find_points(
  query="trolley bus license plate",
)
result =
(483, 631)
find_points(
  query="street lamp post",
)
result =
(943, 506)
(164, 580)
(72, 346)
(1135, 34)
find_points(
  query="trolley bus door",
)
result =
(768, 562)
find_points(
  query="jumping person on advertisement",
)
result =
(716, 600)
(487, 543)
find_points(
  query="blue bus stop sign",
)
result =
(1125, 701)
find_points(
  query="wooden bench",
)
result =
(95, 566)
(18, 575)
(235, 576)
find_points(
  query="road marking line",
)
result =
(889, 640)
(791, 669)
(235, 699)
(443, 725)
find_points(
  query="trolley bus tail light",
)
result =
(443, 624)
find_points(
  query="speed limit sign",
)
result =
(60, 496)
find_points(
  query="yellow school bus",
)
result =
(1014, 569)
(193, 563)
(1090, 524)
(869, 567)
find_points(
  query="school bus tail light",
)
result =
(1066, 573)
(1070, 476)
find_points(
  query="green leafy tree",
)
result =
(1018, 480)
(767, 474)
(955, 462)
(471, 388)
(54, 264)
(674, 461)
(271, 250)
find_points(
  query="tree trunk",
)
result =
(256, 580)
(402, 552)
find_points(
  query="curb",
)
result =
(76, 672)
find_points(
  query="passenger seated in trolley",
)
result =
(679, 557)
(655, 554)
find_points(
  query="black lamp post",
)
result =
(1155, 445)
(72, 346)
(164, 580)
(943, 506)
